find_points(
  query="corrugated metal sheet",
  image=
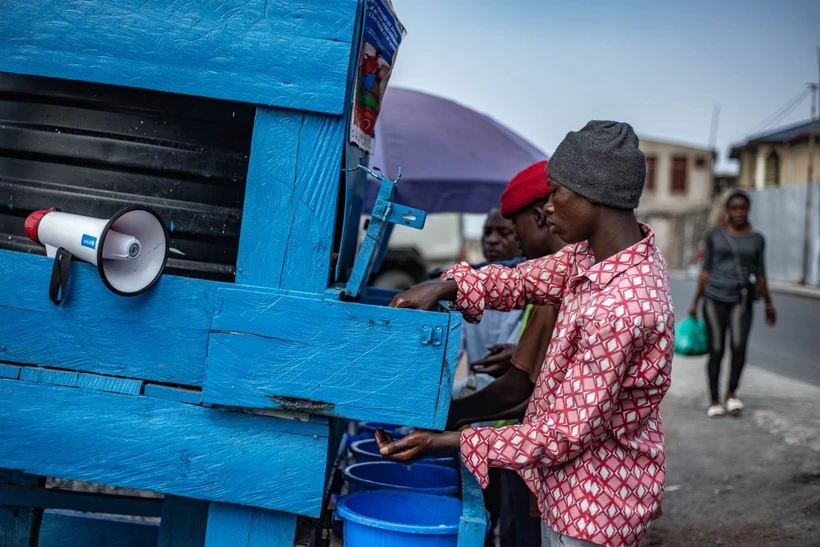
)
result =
(92, 149)
(779, 214)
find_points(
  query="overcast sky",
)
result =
(547, 67)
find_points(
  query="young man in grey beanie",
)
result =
(591, 445)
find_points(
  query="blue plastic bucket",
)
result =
(399, 519)
(419, 477)
(366, 450)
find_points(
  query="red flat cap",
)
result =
(525, 188)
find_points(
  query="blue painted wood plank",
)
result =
(345, 359)
(290, 201)
(49, 376)
(163, 446)
(173, 302)
(307, 260)
(117, 348)
(160, 335)
(98, 382)
(268, 195)
(19, 525)
(52, 498)
(78, 530)
(184, 521)
(472, 529)
(9, 371)
(171, 393)
(235, 526)
(287, 53)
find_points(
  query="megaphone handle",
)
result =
(59, 276)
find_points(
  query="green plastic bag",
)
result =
(690, 337)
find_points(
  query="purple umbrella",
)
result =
(453, 159)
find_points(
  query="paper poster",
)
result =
(383, 33)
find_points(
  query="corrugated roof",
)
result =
(790, 133)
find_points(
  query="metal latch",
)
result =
(385, 214)
(431, 335)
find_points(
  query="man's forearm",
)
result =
(509, 391)
(514, 413)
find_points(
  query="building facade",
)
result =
(778, 158)
(677, 196)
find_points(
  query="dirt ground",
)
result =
(748, 481)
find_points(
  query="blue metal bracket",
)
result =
(431, 335)
(385, 215)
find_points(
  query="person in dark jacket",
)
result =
(732, 275)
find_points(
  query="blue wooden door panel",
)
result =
(286, 53)
(290, 200)
(165, 446)
(362, 362)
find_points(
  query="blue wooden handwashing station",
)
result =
(227, 386)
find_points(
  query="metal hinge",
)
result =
(431, 335)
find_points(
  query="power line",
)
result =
(780, 113)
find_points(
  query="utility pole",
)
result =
(807, 228)
(812, 132)
(712, 143)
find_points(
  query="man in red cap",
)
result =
(517, 366)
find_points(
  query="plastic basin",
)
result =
(366, 450)
(418, 477)
(383, 518)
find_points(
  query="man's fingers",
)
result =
(398, 446)
(487, 361)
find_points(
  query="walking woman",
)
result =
(733, 276)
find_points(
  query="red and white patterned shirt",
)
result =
(591, 444)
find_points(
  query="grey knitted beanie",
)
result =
(601, 162)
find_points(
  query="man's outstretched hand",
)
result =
(416, 444)
(425, 296)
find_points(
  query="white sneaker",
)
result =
(734, 406)
(715, 411)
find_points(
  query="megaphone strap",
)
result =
(59, 276)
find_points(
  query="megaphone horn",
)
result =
(130, 249)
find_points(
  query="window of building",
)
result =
(773, 169)
(700, 162)
(679, 175)
(649, 185)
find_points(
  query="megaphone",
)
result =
(130, 249)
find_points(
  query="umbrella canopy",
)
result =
(453, 159)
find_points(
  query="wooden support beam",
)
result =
(290, 201)
(52, 498)
(472, 528)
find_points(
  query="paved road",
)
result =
(792, 348)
